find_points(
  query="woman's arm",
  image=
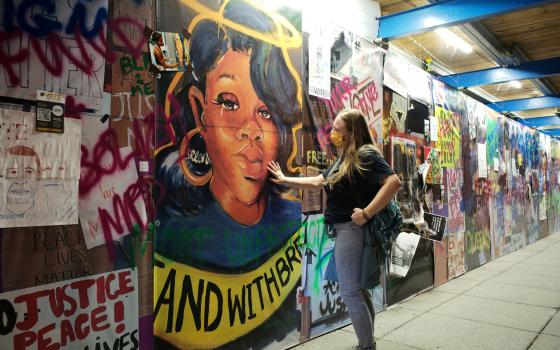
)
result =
(299, 182)
(389, 188)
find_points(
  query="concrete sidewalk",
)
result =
(509, 303)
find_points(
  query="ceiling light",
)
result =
(454, 40)
(515, 84)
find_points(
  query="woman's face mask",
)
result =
(337, 138)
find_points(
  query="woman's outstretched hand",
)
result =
(277, 174)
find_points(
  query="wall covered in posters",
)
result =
(75, 201)
(151, 208)
(354, 82)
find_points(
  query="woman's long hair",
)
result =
(359, 143)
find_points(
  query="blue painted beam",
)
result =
(525, 104)
(552, 132)
(529, 70)
(541, 121)
(446, 14)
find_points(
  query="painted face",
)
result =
(159, 42)
(22, 180)
(339, 135)
(238, 129)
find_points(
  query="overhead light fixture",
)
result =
(516, 84)
(454, 39)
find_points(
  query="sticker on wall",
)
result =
(49, 116)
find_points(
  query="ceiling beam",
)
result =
(487, 43)
(525, 104)
(446, 14)
(492, 47)
(552, 132)
(542, 84)
(541, 121)
(529, 70)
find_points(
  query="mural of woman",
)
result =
(227, 223)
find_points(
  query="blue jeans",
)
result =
(348, 258)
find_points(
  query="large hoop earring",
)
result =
(183, 151)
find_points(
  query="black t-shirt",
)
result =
(341, 199)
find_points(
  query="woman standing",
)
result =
(359, 174)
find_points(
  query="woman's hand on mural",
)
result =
(358, 216)
(277, 174)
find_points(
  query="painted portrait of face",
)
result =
(242, 137)
(244, 99)
(22, 178)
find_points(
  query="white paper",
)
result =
(110, 298)
(503, 166)
(402, 253)
(106, 195)
(319, 61)
(514, 167)
(86, 88)
(418, 82)
(482, 166)
(144, 166)
(395, 73)
(102, 198)
(423, 170)
(438, 92)
(39, 172)
(433, 128)
(542, 208)
(496, 164)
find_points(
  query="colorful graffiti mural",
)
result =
(217, 192)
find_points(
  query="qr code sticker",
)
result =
(44, 114)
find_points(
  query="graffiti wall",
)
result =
(75, 191)
(486, 176)
(354, 67)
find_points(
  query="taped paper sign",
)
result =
(39, 172)
(95, 312)
(395, 72)
(402, 253)
(113, 205)
(319, 61)
(449, 138)
(482, 166)
(115, 202)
